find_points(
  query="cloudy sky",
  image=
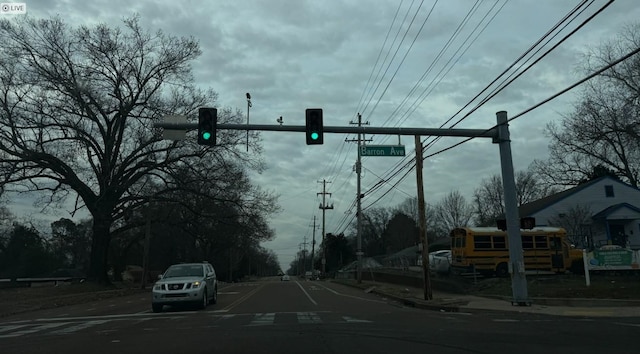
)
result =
(398, 63)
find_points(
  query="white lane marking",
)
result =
(10, 328)
(354, 320)
(34, 329)
(91, 309)
(308, 317)
(218, 311)
(306, 293)
(461, 314)
(262, 319)
(628, 324)
(353, 297)
(228, 293)
(79, 327)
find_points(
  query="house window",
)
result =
(608, 191)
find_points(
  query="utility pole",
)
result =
(324, 207)
(313, 246)
(304, 255)
(359, 196)
(426, 280)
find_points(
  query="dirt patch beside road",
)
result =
(45, 296)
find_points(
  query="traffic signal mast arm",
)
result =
(480, 133)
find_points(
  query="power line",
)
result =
(394, 54)
(405, 54)
(562, 92)
(397, 168)
(397, 171)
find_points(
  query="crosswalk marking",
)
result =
(261, 319)
(308, 317)
(34, 329)
(61, 327)
(79, 327)
(354, 320)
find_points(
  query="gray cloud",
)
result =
(293, 55)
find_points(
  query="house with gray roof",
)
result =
(599, 212)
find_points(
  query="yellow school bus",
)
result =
(486, 250)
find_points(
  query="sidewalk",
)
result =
(447, 302)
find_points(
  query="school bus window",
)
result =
(541, 242)
(482, 242)
(499, 242)
(527, 242)
(556, 243)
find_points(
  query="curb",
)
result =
(411, 302)
(456, 305)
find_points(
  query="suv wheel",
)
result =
(214, 299)
(156, 307)
(205, 299)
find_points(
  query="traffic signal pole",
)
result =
(499, 134)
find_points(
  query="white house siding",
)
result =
(595, 198)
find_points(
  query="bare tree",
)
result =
(401, 232)
(488, 199)
(410, 208)
(453, 211)
(77, 108)
(604, 127)
(576, 222)
(374, 222)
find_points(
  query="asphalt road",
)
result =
(271, 316)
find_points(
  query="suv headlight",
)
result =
(157, 287)
(195, 284)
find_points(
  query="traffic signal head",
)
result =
(207, 121)
(314, 128)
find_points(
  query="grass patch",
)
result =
(603, 286)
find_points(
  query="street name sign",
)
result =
(381, 150)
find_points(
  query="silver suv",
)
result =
(186, 283)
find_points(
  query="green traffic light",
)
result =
(314, 136)
(206, 135)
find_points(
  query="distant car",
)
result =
(188, 283)
(285, 278)
(440, 261)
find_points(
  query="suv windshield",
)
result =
(184, 271)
